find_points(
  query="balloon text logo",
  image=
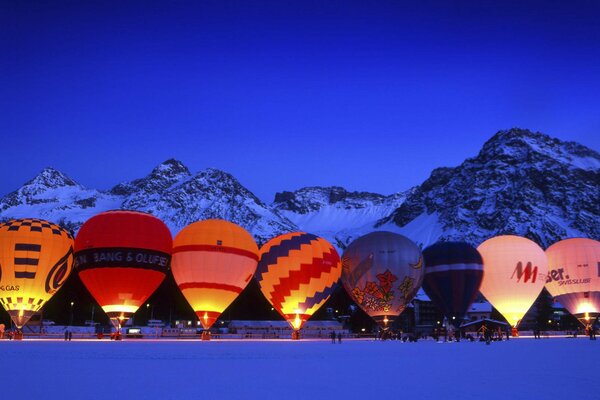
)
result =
(528, 274)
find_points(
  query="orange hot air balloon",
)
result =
(574, 277)
(213, 261)
(122, 257)
(297, 273)
(36, 258)
(515, 273)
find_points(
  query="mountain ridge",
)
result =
(520, 182)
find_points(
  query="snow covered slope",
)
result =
(335, 213)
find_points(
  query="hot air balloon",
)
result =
(297, 273)
(36, 258)
(453, 274)
(213, 261)
(122, 257)
(515, 273)
(574, 277)
(382, 272)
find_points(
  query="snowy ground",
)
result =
(356, 369)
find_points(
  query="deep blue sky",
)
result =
(368, 95)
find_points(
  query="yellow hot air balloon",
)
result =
(515, 274)
(36, 258)
(212, 263)
(574, 277)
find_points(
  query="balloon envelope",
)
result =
(122, 257)
(382, 272)
(297, 273)
(453, 275)
(515, 273)
(36, 258)
(213, 261)
(574, 276)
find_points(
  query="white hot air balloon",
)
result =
(515, 274)
(574, 277)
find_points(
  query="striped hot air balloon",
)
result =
(297, 273)
(36, 258)
(453, 275)
(213, 261)
(122, 257)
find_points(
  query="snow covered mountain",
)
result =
(521, 182)
(54, 196)
(169, 192)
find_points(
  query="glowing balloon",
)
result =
(213, 261)
(574, 277)
(382, 272)
(453, 275)
(36, 258)
(515, 273)
(297, 273)
(122, 257)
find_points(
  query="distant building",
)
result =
(282, 330)
(426, 316)
(479, 310)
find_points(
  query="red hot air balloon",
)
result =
(122, 257)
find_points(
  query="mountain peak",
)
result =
(517, 146)
(51, 178)
(171, 167)
(163, 176)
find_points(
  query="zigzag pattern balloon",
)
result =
(297, 273)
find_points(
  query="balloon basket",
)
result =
(18, 335)
(296, 335)
(514, 332)
(205, 335)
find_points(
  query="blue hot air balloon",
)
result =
(453, 275)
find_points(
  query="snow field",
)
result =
(355, 369)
